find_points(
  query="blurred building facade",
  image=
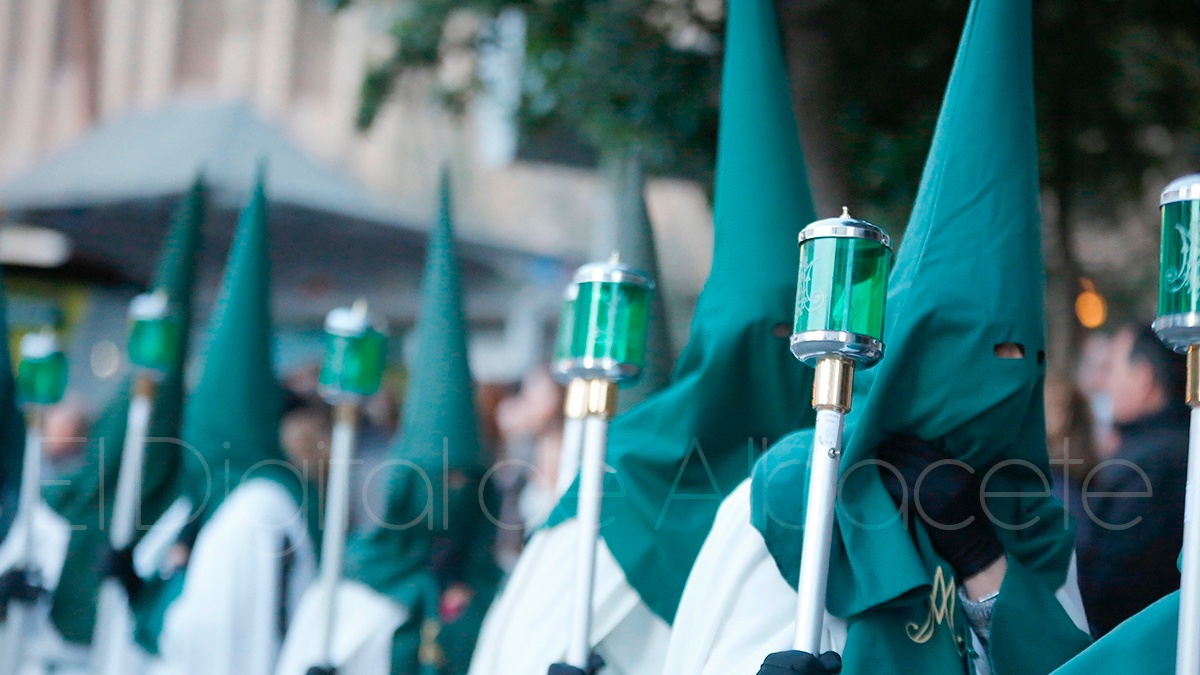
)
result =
(69, 65)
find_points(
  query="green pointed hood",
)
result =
(231, 421)
(432, 503)
(736, 388)
(12, 430)
(85, 499)
(633, 239)
(968, 276)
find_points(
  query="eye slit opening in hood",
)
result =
(1009, 350)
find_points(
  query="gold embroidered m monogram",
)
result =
(943, 600)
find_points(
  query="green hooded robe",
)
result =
(12, 432)
(736, 388)
(85, 497)
(433, 492)
(967, 277)
(230, 428)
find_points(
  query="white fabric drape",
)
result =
(226, 621)
(528, 626)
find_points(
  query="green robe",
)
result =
(438, 443)
(1143, 644)
(82, 498)
(736, 388)
(967, 277)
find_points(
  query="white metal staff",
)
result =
(608, 345)
(155, 337)
(840, 297)
(41, 382)
(355, 355)
(1178, 325)
(574, 399)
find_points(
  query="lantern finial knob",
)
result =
(615, 258)
(361, 307)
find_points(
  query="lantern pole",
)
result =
(573, 399)
(41, 382)
(1178, 326)
(840, 296)
(355, 356)
(155, 337)
(608, 346)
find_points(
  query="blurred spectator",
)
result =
(304, 433)
(1092, 375)
(377, 428)
(1136, 534)
(66, 431)
(1069, 442)
(531, 424)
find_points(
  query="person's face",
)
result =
(1130, 384)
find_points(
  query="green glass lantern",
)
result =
(42, 374)
(560, 365)
(355, 355)
(1178, 322)
(841, 291)
(155, 333)
(609, 323)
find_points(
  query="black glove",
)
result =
(118, 565)
(18, 584)
(949, 495)
(595, 663)
(321, 670)
(787, 663)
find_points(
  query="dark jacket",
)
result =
(1130, 542)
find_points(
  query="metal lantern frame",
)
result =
(155, 332)
(1179, 329)
(863, 349)
(595, 343)
(352, 338)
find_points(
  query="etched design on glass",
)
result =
(1184, 277)
(808, 300)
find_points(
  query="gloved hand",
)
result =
(789, 663)
(18, 584)
(595, 663)
(948, 497)
(118, 565)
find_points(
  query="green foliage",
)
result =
(1117, 83)
(606, 69)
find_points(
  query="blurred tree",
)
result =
(1117, 86)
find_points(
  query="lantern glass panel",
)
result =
(43, 380)
(354, 364)
(610, 322)
(566, 331)
(1179, 264)
(154, 343)
(842, 286)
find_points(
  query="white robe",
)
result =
(226, 620)
(528, 626)
(362, 636)
(737, 608)
(45, 648)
